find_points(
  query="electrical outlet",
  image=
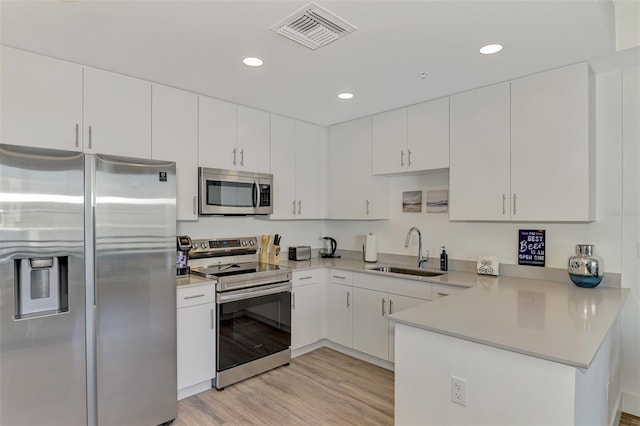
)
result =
(459, 391)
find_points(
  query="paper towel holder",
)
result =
(369, 249)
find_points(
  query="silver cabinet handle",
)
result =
(390, 306)
(401, 158)
(293, 301)
(348, 299)
(195, 296)
(90, 137)
(294, 206)
(234, 156)
(211, 323)
(514, 203)
(299, 207)
(339, 277)
(367, 209)
(383, 307)
(77, 135)
(504, 204)
(242, 157)
(305, 278)
(442, 294)
(409, 157)
(195, 199)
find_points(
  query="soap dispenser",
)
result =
(444, 260)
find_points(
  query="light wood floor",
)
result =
(323, 387)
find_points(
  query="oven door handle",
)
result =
(249, 293)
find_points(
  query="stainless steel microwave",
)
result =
(234, 192)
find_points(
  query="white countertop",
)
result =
(550, 320)
(555, 321)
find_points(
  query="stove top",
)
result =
(232, 276)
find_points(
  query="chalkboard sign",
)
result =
(531, 247)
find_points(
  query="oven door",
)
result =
(252, 323)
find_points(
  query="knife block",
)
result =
(274, 255)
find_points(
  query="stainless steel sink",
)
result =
(407, 271)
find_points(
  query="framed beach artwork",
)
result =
(438, 201)
(412, 202)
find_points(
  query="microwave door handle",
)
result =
(256, 194)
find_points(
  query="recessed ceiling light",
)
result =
(252, 62)
(490, 49)
(345, 96)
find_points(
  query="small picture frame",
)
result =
(412, 202)
(438, 201)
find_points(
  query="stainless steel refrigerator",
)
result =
(87, 289)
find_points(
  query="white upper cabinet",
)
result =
(175, 138)
(232, 137)
(389, 142)
(41, 101)
(217, 133)
(479, 172)
(428, 135)
(253, 140)
(553, 146)
(298, 164)
(353, 192)
(411, 139)
(117, 114)
(524, 151)
(311, 171)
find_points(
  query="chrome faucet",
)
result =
(421, 259)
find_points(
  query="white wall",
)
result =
(630, 354)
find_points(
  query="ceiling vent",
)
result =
(313, 26)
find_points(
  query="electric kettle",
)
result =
(330, 246)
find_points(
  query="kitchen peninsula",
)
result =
(523, 351)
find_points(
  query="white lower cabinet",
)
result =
(370, 323)
(339, 314)
(399, 303)
(305, 308)
(195, 339)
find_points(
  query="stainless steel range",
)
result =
(253, 310)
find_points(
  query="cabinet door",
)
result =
(428, 135)
(370, 324)
(339, 312)
(353, 192)
(311, 170)
(389, 142)
(304, 315)
(398, 303)
(552, 150)
(217, 133)
(196, 344)
(283, 166)
(117, 114)
(480, 155)
(41, 101)
(175, 138)
(253, 140)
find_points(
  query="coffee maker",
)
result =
(182, 255)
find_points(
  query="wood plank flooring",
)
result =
(319, 388)
(323, 387)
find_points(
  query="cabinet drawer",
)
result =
(197, 295)
(439, 290)
(340, 277)
(311, 276)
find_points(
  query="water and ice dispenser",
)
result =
(41, 286)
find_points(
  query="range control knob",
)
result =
(243, 243)
(203, 245)
(252, 242)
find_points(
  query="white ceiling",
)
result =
(198, 46)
